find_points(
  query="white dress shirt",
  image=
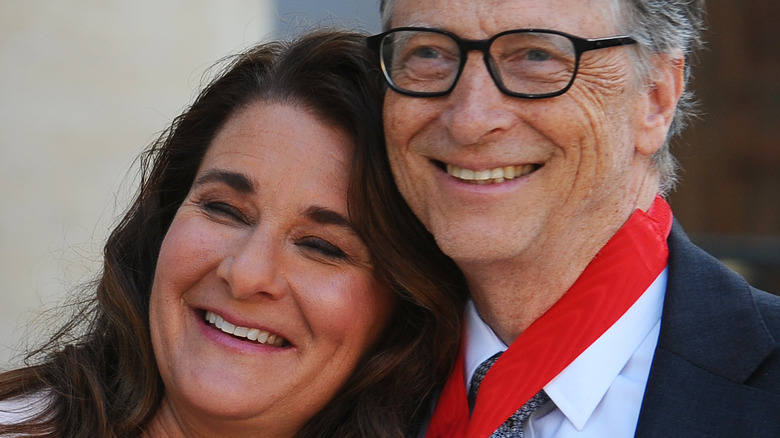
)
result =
(600, 393)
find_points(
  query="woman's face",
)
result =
(264, 298)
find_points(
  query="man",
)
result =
(531, 138)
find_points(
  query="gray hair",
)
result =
(660, 26)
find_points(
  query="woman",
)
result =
(263, 282)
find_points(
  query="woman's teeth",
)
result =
(253, 334)
(490, 176)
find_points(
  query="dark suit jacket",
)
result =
(716, 369)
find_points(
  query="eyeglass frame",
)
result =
(581, 45)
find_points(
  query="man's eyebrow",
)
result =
(235, 180)
(325, 216)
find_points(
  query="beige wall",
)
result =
(84, 86)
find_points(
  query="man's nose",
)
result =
(476, 107)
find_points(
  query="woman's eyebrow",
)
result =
(326, 216)
(235, 180)
(243, 184)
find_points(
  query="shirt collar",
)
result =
(481, 343)
(581, 386)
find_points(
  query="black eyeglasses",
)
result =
(527, 63)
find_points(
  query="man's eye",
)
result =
(322, 247)
(538, 55)
(426, 52)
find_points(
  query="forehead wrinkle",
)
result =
(523, 16)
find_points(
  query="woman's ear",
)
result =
(663, 91)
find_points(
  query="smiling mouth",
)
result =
(245, 333)
(490, 176)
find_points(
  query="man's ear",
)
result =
(663, 91)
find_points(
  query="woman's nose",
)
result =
(254, 266)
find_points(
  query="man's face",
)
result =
(574, 156)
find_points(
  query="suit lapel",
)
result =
(712, 341)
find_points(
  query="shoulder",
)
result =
(701, 276)
(716, 369)
(713, 318)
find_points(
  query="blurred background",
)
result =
(85, 85)
(729, 196)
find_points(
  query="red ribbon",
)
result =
(612, 282)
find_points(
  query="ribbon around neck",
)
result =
(612, 282)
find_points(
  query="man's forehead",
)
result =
(492, 16)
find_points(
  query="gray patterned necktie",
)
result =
(477, 378)
(513, 426)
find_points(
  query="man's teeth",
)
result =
(490, 176)
(253, 334)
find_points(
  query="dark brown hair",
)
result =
(99, 370)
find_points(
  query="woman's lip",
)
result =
(253, 334)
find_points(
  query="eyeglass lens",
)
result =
(531, 63)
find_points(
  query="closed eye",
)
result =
(322, 247)
(224, 210)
